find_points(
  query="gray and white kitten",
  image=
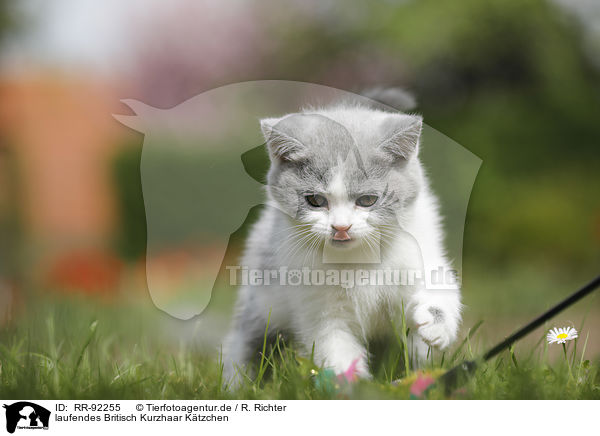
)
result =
(345, 182)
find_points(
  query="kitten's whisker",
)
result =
(290, 238)
(313, 248)
(293, 228)
(309, 244)
(291, 250)
(372, 241)
(366, 242)
(298, 245)
(294, 234)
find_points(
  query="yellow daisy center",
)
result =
(562, 336)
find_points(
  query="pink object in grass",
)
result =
(421, 384)
(350, 374)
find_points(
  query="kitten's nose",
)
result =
(341, 233)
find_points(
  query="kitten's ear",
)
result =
(281, 145)
(402, 133)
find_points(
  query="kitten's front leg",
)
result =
(436, 316)
(336, 347)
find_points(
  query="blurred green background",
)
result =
(516, 82)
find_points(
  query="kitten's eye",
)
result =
(366, 200)
(316, 200)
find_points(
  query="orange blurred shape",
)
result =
(88, 272)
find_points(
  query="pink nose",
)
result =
(341, 233)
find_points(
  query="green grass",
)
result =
(64, 348)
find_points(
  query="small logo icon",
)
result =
(26, 415)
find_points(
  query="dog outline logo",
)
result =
(35, 417)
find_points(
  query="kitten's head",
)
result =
(344, 174)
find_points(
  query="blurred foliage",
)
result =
(131, 240)
(10, 224)
(511, 83)
(8, 18)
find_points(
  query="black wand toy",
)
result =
(458, 375)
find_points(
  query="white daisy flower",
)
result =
(561, 335)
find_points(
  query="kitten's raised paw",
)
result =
(432, 325)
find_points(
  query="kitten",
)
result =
(347, 192)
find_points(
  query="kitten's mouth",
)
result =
(341, 238)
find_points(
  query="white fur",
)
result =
(340, 322)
